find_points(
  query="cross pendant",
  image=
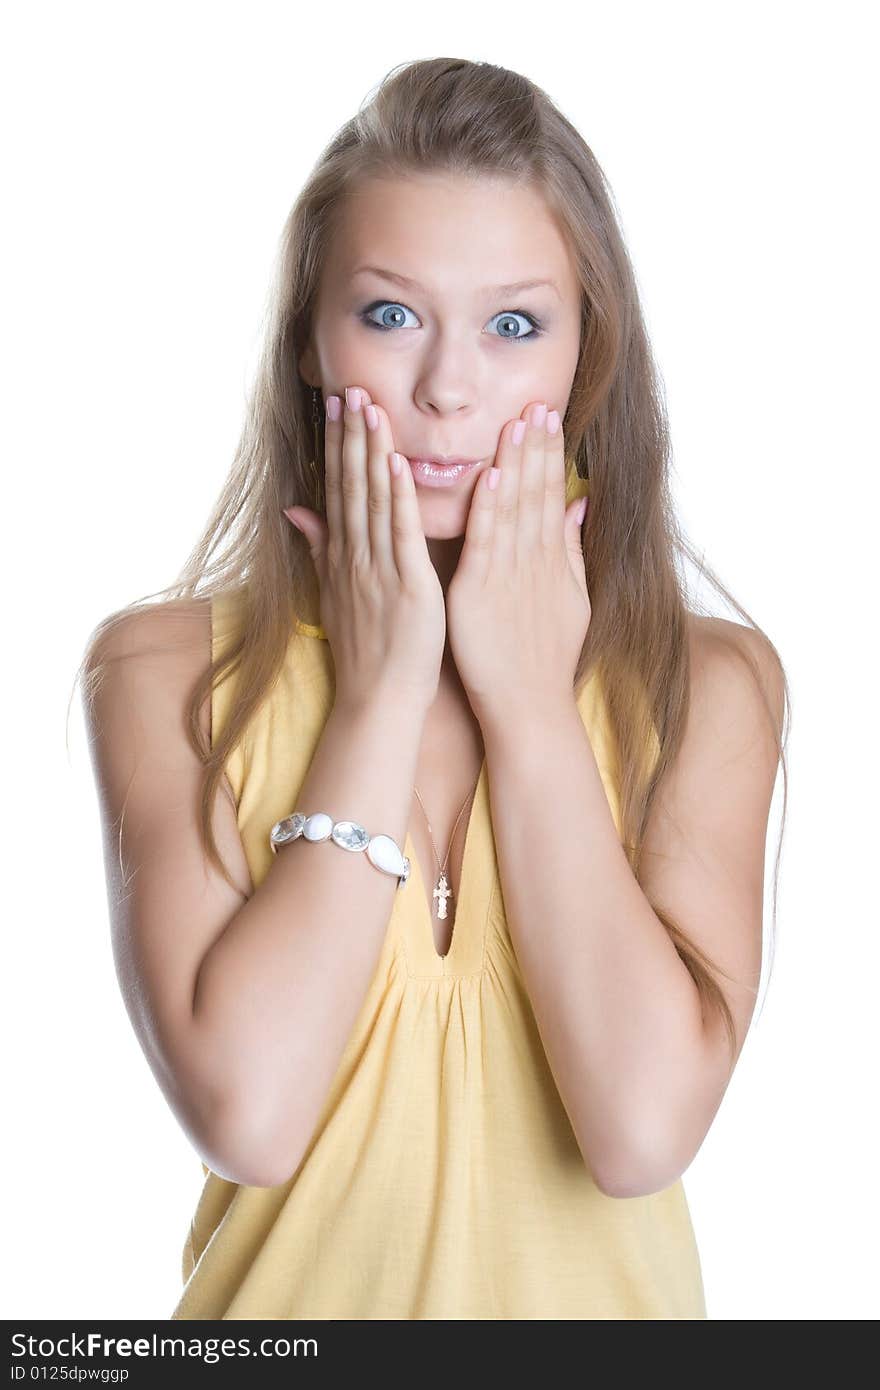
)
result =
(441, 893)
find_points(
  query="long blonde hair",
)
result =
(454, 116)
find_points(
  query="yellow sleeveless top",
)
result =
(443, 1179)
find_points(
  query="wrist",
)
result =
(389, 704)
(507, 721)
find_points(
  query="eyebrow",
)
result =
(409, 284)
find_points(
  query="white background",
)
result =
(151, 155)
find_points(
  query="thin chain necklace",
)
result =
(442, 891)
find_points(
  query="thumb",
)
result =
(315, 530)
(575, 518)
(313, 527)
(573, 521)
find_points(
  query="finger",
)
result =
(333, 432)
(397, 537)
(553, 530)
(305, 521)
(507, 459)
(380, 446)
(476, 555)
(530, 514)
(407, 532)
(354, 482)
(573, 540)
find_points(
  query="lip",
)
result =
(439, 458)
(440, 472)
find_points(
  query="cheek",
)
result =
(348, 352)
(357, 360)
(530, 377)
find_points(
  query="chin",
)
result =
(444, 511)
(444, 522)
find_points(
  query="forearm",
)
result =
(617, 1010)
(279, 992)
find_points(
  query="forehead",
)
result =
(451, 233)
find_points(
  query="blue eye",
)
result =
(401, 309)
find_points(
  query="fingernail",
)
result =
(582, 511)
(518, 431)
(334, 407)
(292, 519)
(553, 422)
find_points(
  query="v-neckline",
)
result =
(470, 878)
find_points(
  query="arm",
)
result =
(279, 992)
(242, 1001)
(640, 1075)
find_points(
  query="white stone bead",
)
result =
(318, 826)
(383, 852)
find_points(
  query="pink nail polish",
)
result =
(519, 430)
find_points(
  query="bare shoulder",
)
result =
(161, 649)
(726, 660)
(179, 629)
(142, 669)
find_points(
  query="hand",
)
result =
(381, 602)
(517, 607)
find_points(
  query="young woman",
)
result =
(435, 820)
